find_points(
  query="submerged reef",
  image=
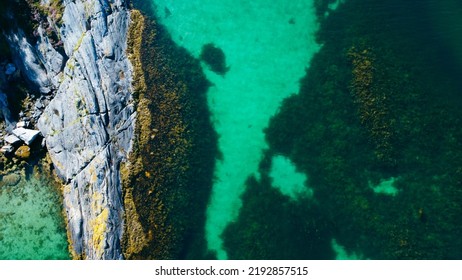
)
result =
(379, 101)
(168, 180)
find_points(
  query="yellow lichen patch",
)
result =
(93, 175)
(66, 189)
(98, 228)
(23, 152)
(98, 225)
(79, 42)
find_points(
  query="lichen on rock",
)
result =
(23, 152)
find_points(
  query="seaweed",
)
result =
(299, 233)
(215, 58)
(175, 150)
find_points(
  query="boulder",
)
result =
(23, 124)
(26, 135)
(7, 149)
(23, 152)
(11, 179)
(12, 139)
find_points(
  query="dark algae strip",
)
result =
(215, 58)
(380, 100)
(172, 178)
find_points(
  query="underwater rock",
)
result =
(11, 179)
(26, 135)
(23, 152)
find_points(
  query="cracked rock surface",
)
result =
(89, 124)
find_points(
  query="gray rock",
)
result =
(26, 135)
(89, 124)
(25, 56)
(39, 104)
(23, 124)
(7, 149)
(11, 179)
(51, 59)
(12, 139)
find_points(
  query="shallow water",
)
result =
(31, 221)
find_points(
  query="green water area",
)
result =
(31, 222)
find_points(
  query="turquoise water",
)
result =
(287, 179)
(31, 221)
(267, 48)
(342, 254)
(386, 187)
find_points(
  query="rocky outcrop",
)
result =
(88, 126)
(26, 135)
(25, 55)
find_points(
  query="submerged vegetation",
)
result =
(167, 184)
(274, 226)
(379, 101)
(215, 58)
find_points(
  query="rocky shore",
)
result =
(83, 109)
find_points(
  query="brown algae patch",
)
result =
(168, 177)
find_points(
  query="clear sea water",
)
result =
(31, 221)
